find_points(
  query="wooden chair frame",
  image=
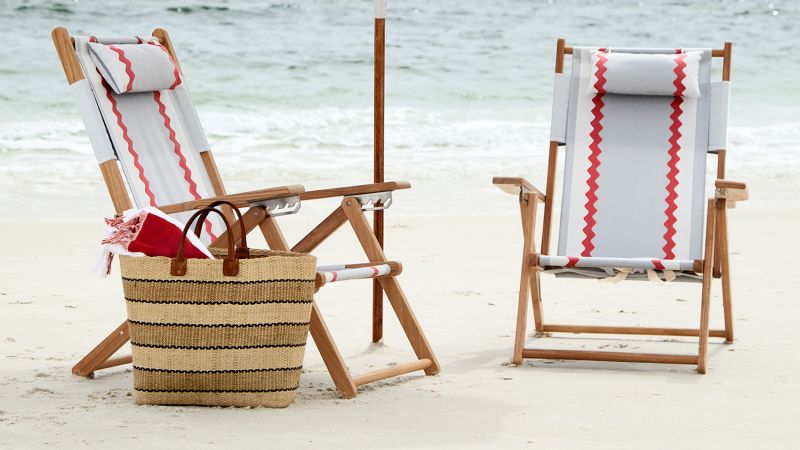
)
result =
(715, 262)
(350, 211)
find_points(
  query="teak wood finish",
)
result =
(378, 97)
(101, 356)
(715, 262)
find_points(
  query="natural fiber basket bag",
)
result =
(224, 332)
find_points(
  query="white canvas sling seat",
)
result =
(155, 135)
(152, 151)
(634, 177)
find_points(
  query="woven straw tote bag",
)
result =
(223, 332)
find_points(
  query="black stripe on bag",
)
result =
(224, 391)
(220, 325)
(217, 347)
(226, 302)
(282, 280)
(270, 369)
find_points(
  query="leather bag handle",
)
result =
(242, 251)
(230, 265)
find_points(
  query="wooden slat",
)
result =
(273, 234)
(721, 158)
(647, 331)
(408, 321)
(324, 341)
(727, 53)
(560, 44)
(550, 192)
(330, 355)
(66, 53)
(116, 186)
(394, 371)
(102, 352)
(240, 200)
(580, 355)
(321, 232)
(396, 267)
(355, 190)
(511, 185)
(114, 362)
(705, 301)
(216, 182)
(724, 260)
(730, 184)
(251, 219)
(527, 209)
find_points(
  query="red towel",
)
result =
(147, 232)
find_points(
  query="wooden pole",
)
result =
(378, 94)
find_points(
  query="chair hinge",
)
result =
(374, 202)
(280, 206)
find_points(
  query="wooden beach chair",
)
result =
(149, 142)
(637, 126)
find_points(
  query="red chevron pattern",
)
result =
(131, 150)
(594, 157)
(187, 172)
(571, 261)
(175, 70)
(674, 157)
(128, 68)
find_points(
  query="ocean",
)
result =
(284, 89)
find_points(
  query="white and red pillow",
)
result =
(127, 68)
(647, 74)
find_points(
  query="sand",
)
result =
(461, 278)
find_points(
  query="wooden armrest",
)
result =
(732, 191)
(241, 200)
(730, 184)
(512, 185)
(355, 190)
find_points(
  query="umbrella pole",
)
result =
(380, 48)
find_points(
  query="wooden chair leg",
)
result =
(528, 282)
(273, 234)
(331, 356)
(96, 358)
(391, 287)
(522, 312)
(252, 218)
(319, 330)
(536, 300)
(722, 240)
(707, 277)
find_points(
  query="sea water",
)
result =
(284, 89)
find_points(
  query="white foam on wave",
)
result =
(332, 145)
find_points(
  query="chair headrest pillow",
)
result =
(645, 74)
(127, 68)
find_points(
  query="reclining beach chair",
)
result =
(637, 125)
(140, 118)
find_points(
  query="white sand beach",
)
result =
(461, 277)
(284, 93)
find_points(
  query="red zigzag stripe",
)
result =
(128, 68)
(674, 157)
(187, 173)
(594, 157)
(131, 150)
(175, 70)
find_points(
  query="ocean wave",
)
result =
(329, 143)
